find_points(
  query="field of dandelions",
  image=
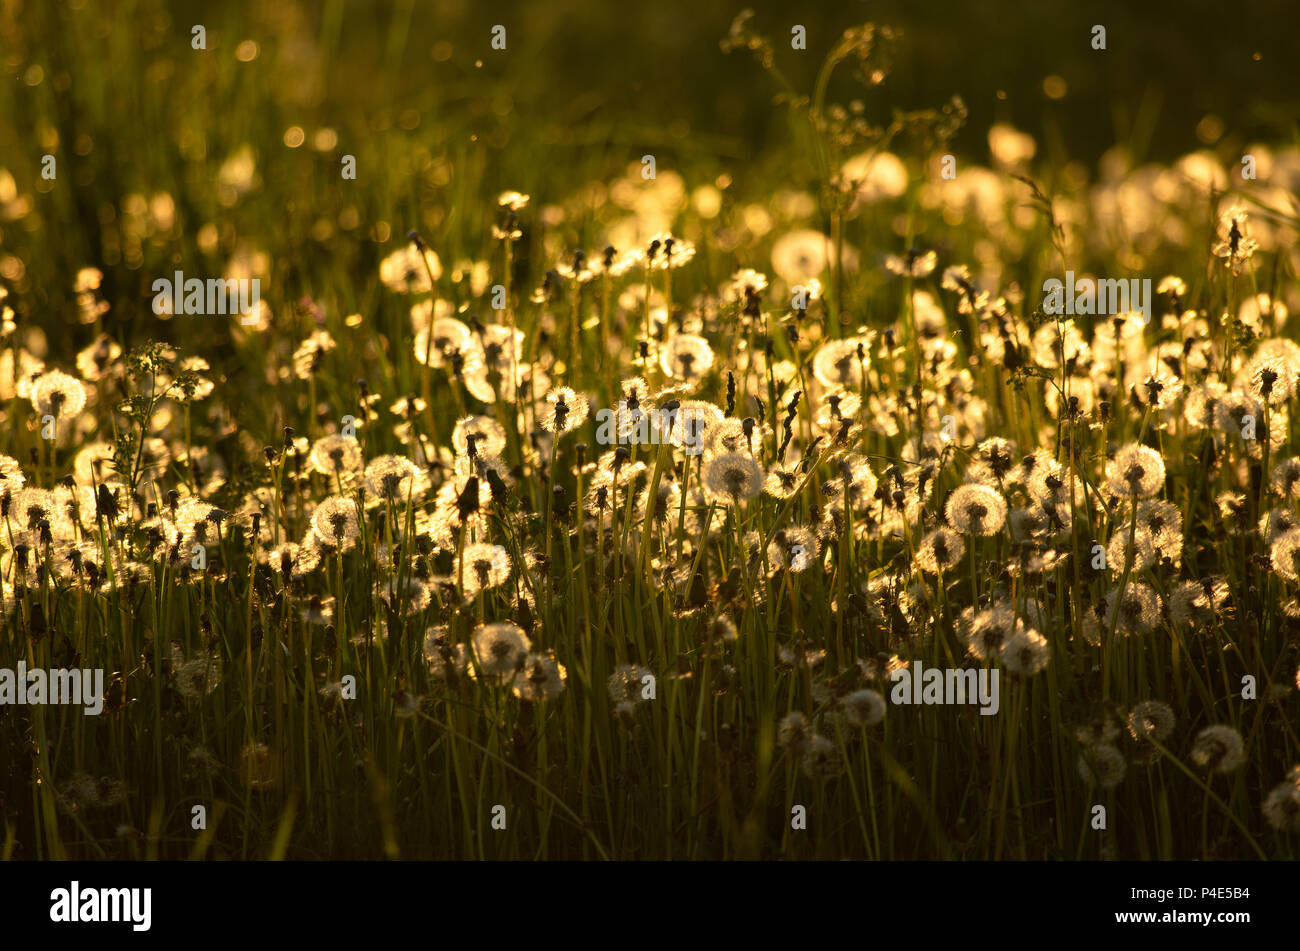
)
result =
(605, 513)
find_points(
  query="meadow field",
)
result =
(519, 431)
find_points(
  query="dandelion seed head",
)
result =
(1026, 652)
(392, 478)
(406, 270)
(627, 686)
(58, 394)
(336, 455)
(483, 565)
(541, 678)
(1150, 720)
(863, 707)
(939, 551)
(1282, 804)
(842, 362)
(733, 477)
(1135, 472)
(563, 412)
(1102, 765)
(1218, 749)
(499, 649)
(335, 521)
(1137, 612)
(821, 759)
(975, 509)
(686, 357)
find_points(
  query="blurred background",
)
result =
(144, 126)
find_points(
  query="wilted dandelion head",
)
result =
(580, 267)
(835, 409)
(1136, 472)
(993, 460)
(499, 648)
(939, 551)
(975, 509)
(1218, 749)
(733, 477)
(495, 349)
